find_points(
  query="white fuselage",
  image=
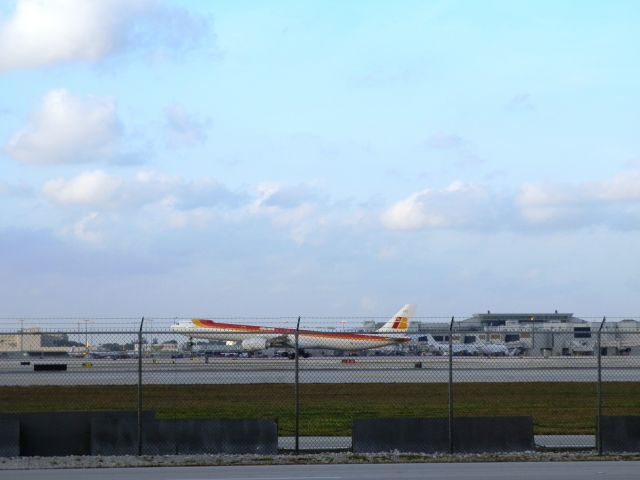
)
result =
(265, 337)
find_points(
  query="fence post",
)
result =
(140, 387)
(297, 391)
(599, 414)
(451, 386)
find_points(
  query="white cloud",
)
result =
(67, 129)
(84, 229)
(92, 188)
(459, 205)
(155, 177)
(103, 190)
(614, 202)
(540, 203)
(167, 213)
(622, 187)
(43, 32)
(150, 185)
(295, 207)
(284, 196)
(184, 130)
(286, 205)
(47, 32)
(149, 201)
(197, 203)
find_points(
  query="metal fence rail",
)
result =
(169, 381)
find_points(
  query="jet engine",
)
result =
(254, 344)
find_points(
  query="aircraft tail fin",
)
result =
(400, 321)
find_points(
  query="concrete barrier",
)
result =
(431, 435)
(168, 437)
(493, 434)
(116, 433)
(49, 367)
(115, 436)
(426, 435)
(226, 436)
(620, 433)
(9, 438)
(61, 433)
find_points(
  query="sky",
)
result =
(337, 158)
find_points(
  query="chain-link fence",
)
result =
(227, 386)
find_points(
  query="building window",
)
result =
(495, 323)
(582, 332)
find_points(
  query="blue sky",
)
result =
(318, 158)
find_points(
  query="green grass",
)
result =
(328, 409)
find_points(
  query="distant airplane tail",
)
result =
(400, 321)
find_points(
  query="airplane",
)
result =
(456, 348)
(253, 337)
(113, 355)
(478, 348)
(493, 349)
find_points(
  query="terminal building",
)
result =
(540, 333)
(32, 341)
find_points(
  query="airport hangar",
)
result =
(536, 334)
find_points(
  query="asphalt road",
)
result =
(455, 471)
(321, 370)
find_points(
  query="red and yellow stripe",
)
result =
(400, 323)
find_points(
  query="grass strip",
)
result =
(328, 409)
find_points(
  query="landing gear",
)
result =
(302, 353)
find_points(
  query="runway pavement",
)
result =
(320, 370)
(412, 471)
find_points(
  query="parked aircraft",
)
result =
(253, 337)
(493, 349)
(116, 355)
(477, 348)
(456, 348)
